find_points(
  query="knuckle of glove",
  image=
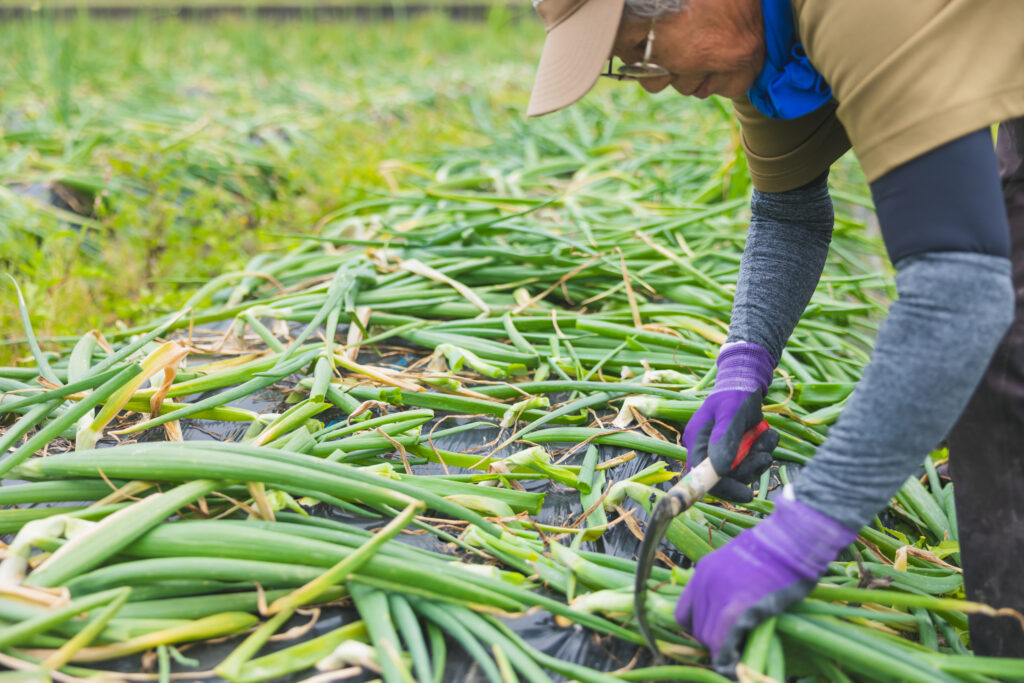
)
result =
(753, 466)
(735, 484)
(732, 490)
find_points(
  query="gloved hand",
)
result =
(732, 408)
(757, 575)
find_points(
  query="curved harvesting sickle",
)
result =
(677, 500)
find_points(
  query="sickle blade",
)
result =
(664, 512)
(676, 500)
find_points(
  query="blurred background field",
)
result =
(139, 156)
(142, 156)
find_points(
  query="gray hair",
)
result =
(653, 9)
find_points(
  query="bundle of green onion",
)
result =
(558, 303)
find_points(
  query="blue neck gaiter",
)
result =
(789, 86)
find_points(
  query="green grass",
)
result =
(181, 149)
(190, 146)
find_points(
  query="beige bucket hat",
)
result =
(579, 42)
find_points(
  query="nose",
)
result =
(655, 85)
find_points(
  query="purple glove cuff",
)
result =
(806, 538)
(744, 366)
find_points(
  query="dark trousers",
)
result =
(986, 450)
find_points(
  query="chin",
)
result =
(734, 88)
(731, 93)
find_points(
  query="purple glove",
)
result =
(733, 407)
(757, 575)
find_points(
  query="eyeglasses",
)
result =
(638, 70)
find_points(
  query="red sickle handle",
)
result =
(748, 439)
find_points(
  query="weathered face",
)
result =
(711, 47)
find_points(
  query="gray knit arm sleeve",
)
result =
(931, 350)
(782, 263)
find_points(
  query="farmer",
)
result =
(913, 87)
